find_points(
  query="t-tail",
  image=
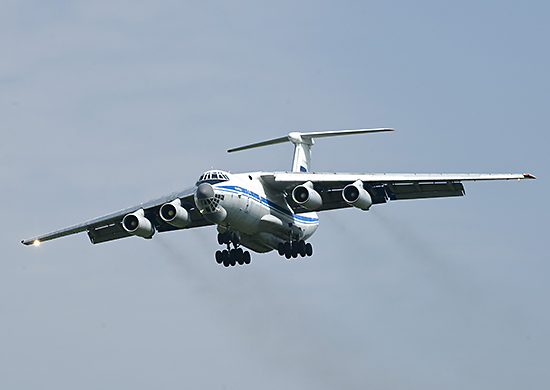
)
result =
(303, 143)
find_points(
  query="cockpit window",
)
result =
(213, 177)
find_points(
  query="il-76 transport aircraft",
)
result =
(265, 211)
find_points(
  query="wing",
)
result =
(108, 227)
(381, 186)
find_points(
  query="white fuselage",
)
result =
(260, 214)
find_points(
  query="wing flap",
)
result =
(423, 191)
(107, 233)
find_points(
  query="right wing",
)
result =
(109, 227)
(381, 186)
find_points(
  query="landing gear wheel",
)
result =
(219, 257)
(246, 257)
(225, 258)
(288, 250)
(309, 249)
(232, 258)
(294, 251)
(301, 246)
(281, 249)
(239, 256)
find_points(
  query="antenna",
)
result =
(303, 143)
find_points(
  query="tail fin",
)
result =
(303, 143)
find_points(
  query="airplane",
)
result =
(265, 211)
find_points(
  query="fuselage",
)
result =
(261, 215)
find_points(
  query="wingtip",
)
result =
(234, 150)
(528, 176)
(35, 242)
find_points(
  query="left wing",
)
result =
(381, 186)
(108, 227)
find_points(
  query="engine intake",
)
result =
(175, 215)
(136, 224)
(306, 196)
(355, 195)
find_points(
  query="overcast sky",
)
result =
(106, 104)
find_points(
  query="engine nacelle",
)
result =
(306, 196)
(175, 215)
(355, 195)
(136, 224)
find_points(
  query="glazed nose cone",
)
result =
(204, 191)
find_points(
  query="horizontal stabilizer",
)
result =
(306, 137)
(258, 144)
(302, 144)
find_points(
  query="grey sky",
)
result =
(106, 104)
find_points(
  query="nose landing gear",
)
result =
(295, 248)
(231, 257)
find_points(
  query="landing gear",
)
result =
(229, 237)
(231, 257)
(295, 248)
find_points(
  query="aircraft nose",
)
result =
(204, 191)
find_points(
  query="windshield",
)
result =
(213, 177)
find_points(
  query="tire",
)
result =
(239, 256)
(219, 257)
(288, 250)
(281, 249)
(294, 251)
(302, 248)
(225, 258)
(232, 258)
(309, 249)
(246, 257)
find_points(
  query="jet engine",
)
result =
(355, 195)
(136, 223)
(175, 215)
(306, 196)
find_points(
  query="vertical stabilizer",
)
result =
(302, 152)
(303, 143)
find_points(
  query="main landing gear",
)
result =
(231, 257)
(295, 248)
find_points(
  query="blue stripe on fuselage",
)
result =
(268, 203)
